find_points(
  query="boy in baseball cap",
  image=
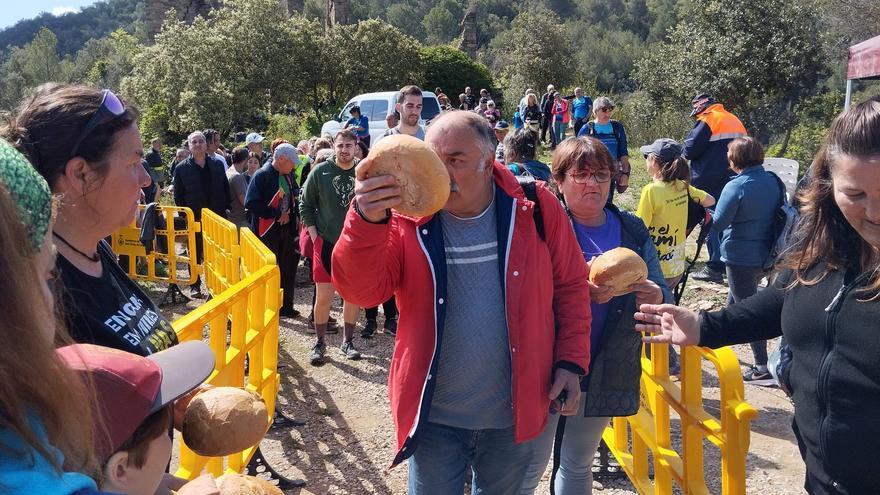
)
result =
(133, 412)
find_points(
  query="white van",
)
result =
(376, 106)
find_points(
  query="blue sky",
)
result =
(16, 10)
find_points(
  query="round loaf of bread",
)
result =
(224, 420)
(240, 484)
(618, 268)
(422, 177)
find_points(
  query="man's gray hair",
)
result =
(288, 151)
(485, 138)
(603, 102)
(194, 133)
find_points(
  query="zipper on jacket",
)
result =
(510, 350)
(833, 310)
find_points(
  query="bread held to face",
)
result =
(224, 420)
(422, 177)
(618, 268)
(240, 484)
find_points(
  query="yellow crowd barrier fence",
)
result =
(240, 320)
(633, 438)
(179, 226)
(222, 252)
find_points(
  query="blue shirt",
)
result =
(593, 242)
(580, 107)
(24, 470)
(616, 143)
(744, 214)
(363, 121)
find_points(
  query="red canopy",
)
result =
(864, 60)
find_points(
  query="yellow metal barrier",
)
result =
(254, 254)
(221, 250)
(241, 321)
(649, 430)
(139, 265)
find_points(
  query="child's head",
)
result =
(664, 161)
(133, 415)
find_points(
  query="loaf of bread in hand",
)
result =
(618, 268)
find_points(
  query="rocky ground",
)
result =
(347, 440)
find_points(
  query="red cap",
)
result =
(129, 388)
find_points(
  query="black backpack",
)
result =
(784, 219)
(530, 188)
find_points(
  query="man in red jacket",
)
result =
(494, 321)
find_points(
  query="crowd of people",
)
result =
(492, 289)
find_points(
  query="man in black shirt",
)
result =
(271, 203)
(155, 167)
(200, 182)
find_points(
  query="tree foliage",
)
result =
(535, 51)
(757, 57)
(450, 69)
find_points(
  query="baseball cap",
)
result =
(288, 150)
(664, 148)
(129, 388)
(701, 101)
(253, 138)
(502, 125)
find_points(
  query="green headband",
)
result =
(29, 191)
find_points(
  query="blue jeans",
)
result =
(444, 453)
(713, 245)
(579, 445)
(559, 129)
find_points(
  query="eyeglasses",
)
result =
(605, 109)
(111, 108)
(601, 175)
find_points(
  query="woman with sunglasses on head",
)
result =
(87, 146)
(582, 170)
(613, 135)
(825, 301)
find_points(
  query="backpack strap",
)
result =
(530, 188)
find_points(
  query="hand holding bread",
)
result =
(616, 272)
(240, 484)
(403, 173)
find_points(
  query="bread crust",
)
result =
(223, 420)
(423, 178)
(618, 268)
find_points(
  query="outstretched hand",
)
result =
(667, 323)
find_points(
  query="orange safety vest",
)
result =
(723, 124)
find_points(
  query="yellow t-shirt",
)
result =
(663, 207)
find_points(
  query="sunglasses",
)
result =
(606, 109)
(111, 108)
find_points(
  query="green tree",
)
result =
(440, 25)
(33, 64)
(406, 18)
(450, 69)
(759, 58)
(534, 52)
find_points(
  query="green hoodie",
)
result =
(325, 198)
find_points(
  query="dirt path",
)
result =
(347, 441)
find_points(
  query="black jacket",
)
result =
(261, 189)
(197, 187)
(834, 374)
(612, 385)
